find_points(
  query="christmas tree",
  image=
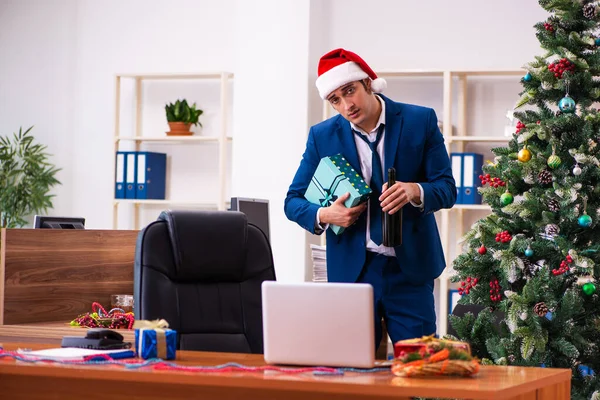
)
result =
(533, 263)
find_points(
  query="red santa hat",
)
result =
(339, 67)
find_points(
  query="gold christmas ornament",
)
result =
(524, 155)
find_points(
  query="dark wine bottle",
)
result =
(392, 223)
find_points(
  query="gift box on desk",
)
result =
(333, 178)
(153, 339)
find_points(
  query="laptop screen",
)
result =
(318, 324)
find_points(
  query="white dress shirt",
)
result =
(365, 156)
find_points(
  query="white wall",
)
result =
(270, 115)
(438, 34)
(37, 63)
(318, 45)
(59, 58)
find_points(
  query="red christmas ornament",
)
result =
(466, 286)
(520, 127)
(561, 67)
(503, 237)
(495, 290)
(494, 182)
(564, 266)
(548, 27)
(482, 250)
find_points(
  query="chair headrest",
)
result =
(207, 245)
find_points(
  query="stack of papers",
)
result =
(76, 354)
(319, 263)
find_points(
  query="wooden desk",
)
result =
(50, 276)
(50, 333)
(34, 381)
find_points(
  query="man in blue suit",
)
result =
(375, 133)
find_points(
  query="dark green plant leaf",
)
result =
(26, 177)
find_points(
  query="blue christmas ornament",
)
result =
(528, 252)
(585, 221)
(597, 41)
(527, 78)
(567, 104)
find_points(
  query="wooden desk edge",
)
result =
(258, 381)
(243, 380)
(560, 377)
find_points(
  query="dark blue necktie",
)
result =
(376, 186)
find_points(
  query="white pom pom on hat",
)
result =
(378, 85)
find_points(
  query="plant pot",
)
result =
(179, 129)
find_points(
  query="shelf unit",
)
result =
(170, 139)
(138, 138)
(453, 82)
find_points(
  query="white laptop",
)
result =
(318, 324)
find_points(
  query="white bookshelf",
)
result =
(483, 207)
(139, 137)
(455, 96)
(496, 139)
(170, 139)
(208, 206)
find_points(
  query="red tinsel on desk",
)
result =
(116, 318)
(159, 364)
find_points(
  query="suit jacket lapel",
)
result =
(393, 132)
(349, 146)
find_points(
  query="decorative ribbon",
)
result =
(328, 194)
(157, 325)
(158, 364)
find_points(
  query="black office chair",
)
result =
(202, 272)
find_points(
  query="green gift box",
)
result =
(333, 178)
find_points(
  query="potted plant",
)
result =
(26, 177)
(181, 117)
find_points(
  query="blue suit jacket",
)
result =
(414, 146)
